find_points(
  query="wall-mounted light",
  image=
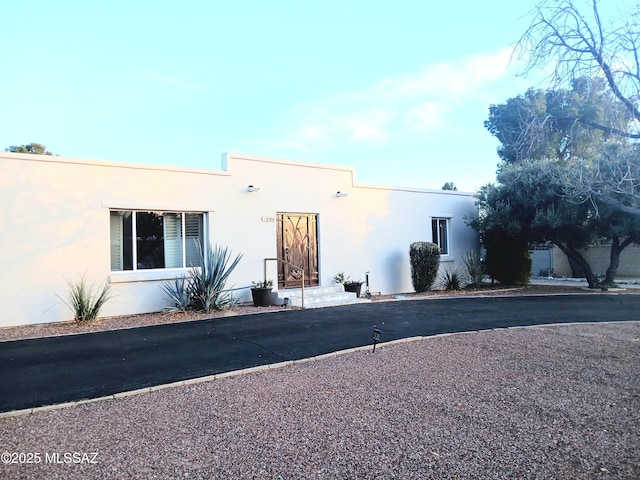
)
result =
(251, 188)
(340, 194)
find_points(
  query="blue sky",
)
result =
(398, 89)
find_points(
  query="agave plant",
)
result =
(179, 293)
(207, 283)
(452, 279)
(85, 300)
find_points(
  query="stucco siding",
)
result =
(55, 225)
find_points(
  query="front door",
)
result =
(298, 246)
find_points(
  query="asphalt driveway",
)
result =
(54, 370)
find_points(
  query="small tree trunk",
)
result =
(573, 253)
(614, 261)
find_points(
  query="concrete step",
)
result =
(315, 297)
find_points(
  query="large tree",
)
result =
(578, 40)
(527, 205)
(571, 155)
(35, 148)
(589, 130)
(546, 123)
(612, 178)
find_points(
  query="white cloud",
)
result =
(421, 102)
(446, 79)
(366, 126)
(169, 80)
(425, 117)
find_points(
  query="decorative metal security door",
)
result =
(298, 245)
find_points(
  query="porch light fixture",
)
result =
(340, 194)
(251, 188)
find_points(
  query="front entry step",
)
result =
(315, 297)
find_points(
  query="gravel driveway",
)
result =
(545, 402)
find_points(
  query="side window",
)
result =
(151, 240)
(440, 234)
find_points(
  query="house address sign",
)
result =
(268, 219)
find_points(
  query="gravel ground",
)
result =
(555, 402)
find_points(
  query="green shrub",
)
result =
(546, 272)
(451, 279)
(508, 260)
(472, 262)
(425, 261)
(85, 301)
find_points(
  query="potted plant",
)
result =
(349, 285)
(261, 293)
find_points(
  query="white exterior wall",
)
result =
(54, 225)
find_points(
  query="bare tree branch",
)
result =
(585, 46)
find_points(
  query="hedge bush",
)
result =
(508, 261)
(425, 262)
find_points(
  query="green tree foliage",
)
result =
(527, 205)
(577, 41)
(532, 203)
(586, 182)
(450, 186)
(612, 178)
(504, 236)
(34, 148)
(555, 123)
(508, 259)
(425, 262)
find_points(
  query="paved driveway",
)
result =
(60, 369)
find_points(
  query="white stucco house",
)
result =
(135, 226)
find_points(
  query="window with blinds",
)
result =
(150, 240)
(440, 234)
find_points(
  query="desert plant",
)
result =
(425, 261)
(179, 293)
(546, 272)
(85, 301)
(341, 278)
(262, 284)
(207, 283)
(474, 267)
(451, 279)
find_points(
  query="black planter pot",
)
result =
(261, 297)
(354, 287)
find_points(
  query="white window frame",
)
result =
(438, 240)
(136, 273)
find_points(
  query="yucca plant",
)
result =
(85, 300)
(475, 269)
(207, 283)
